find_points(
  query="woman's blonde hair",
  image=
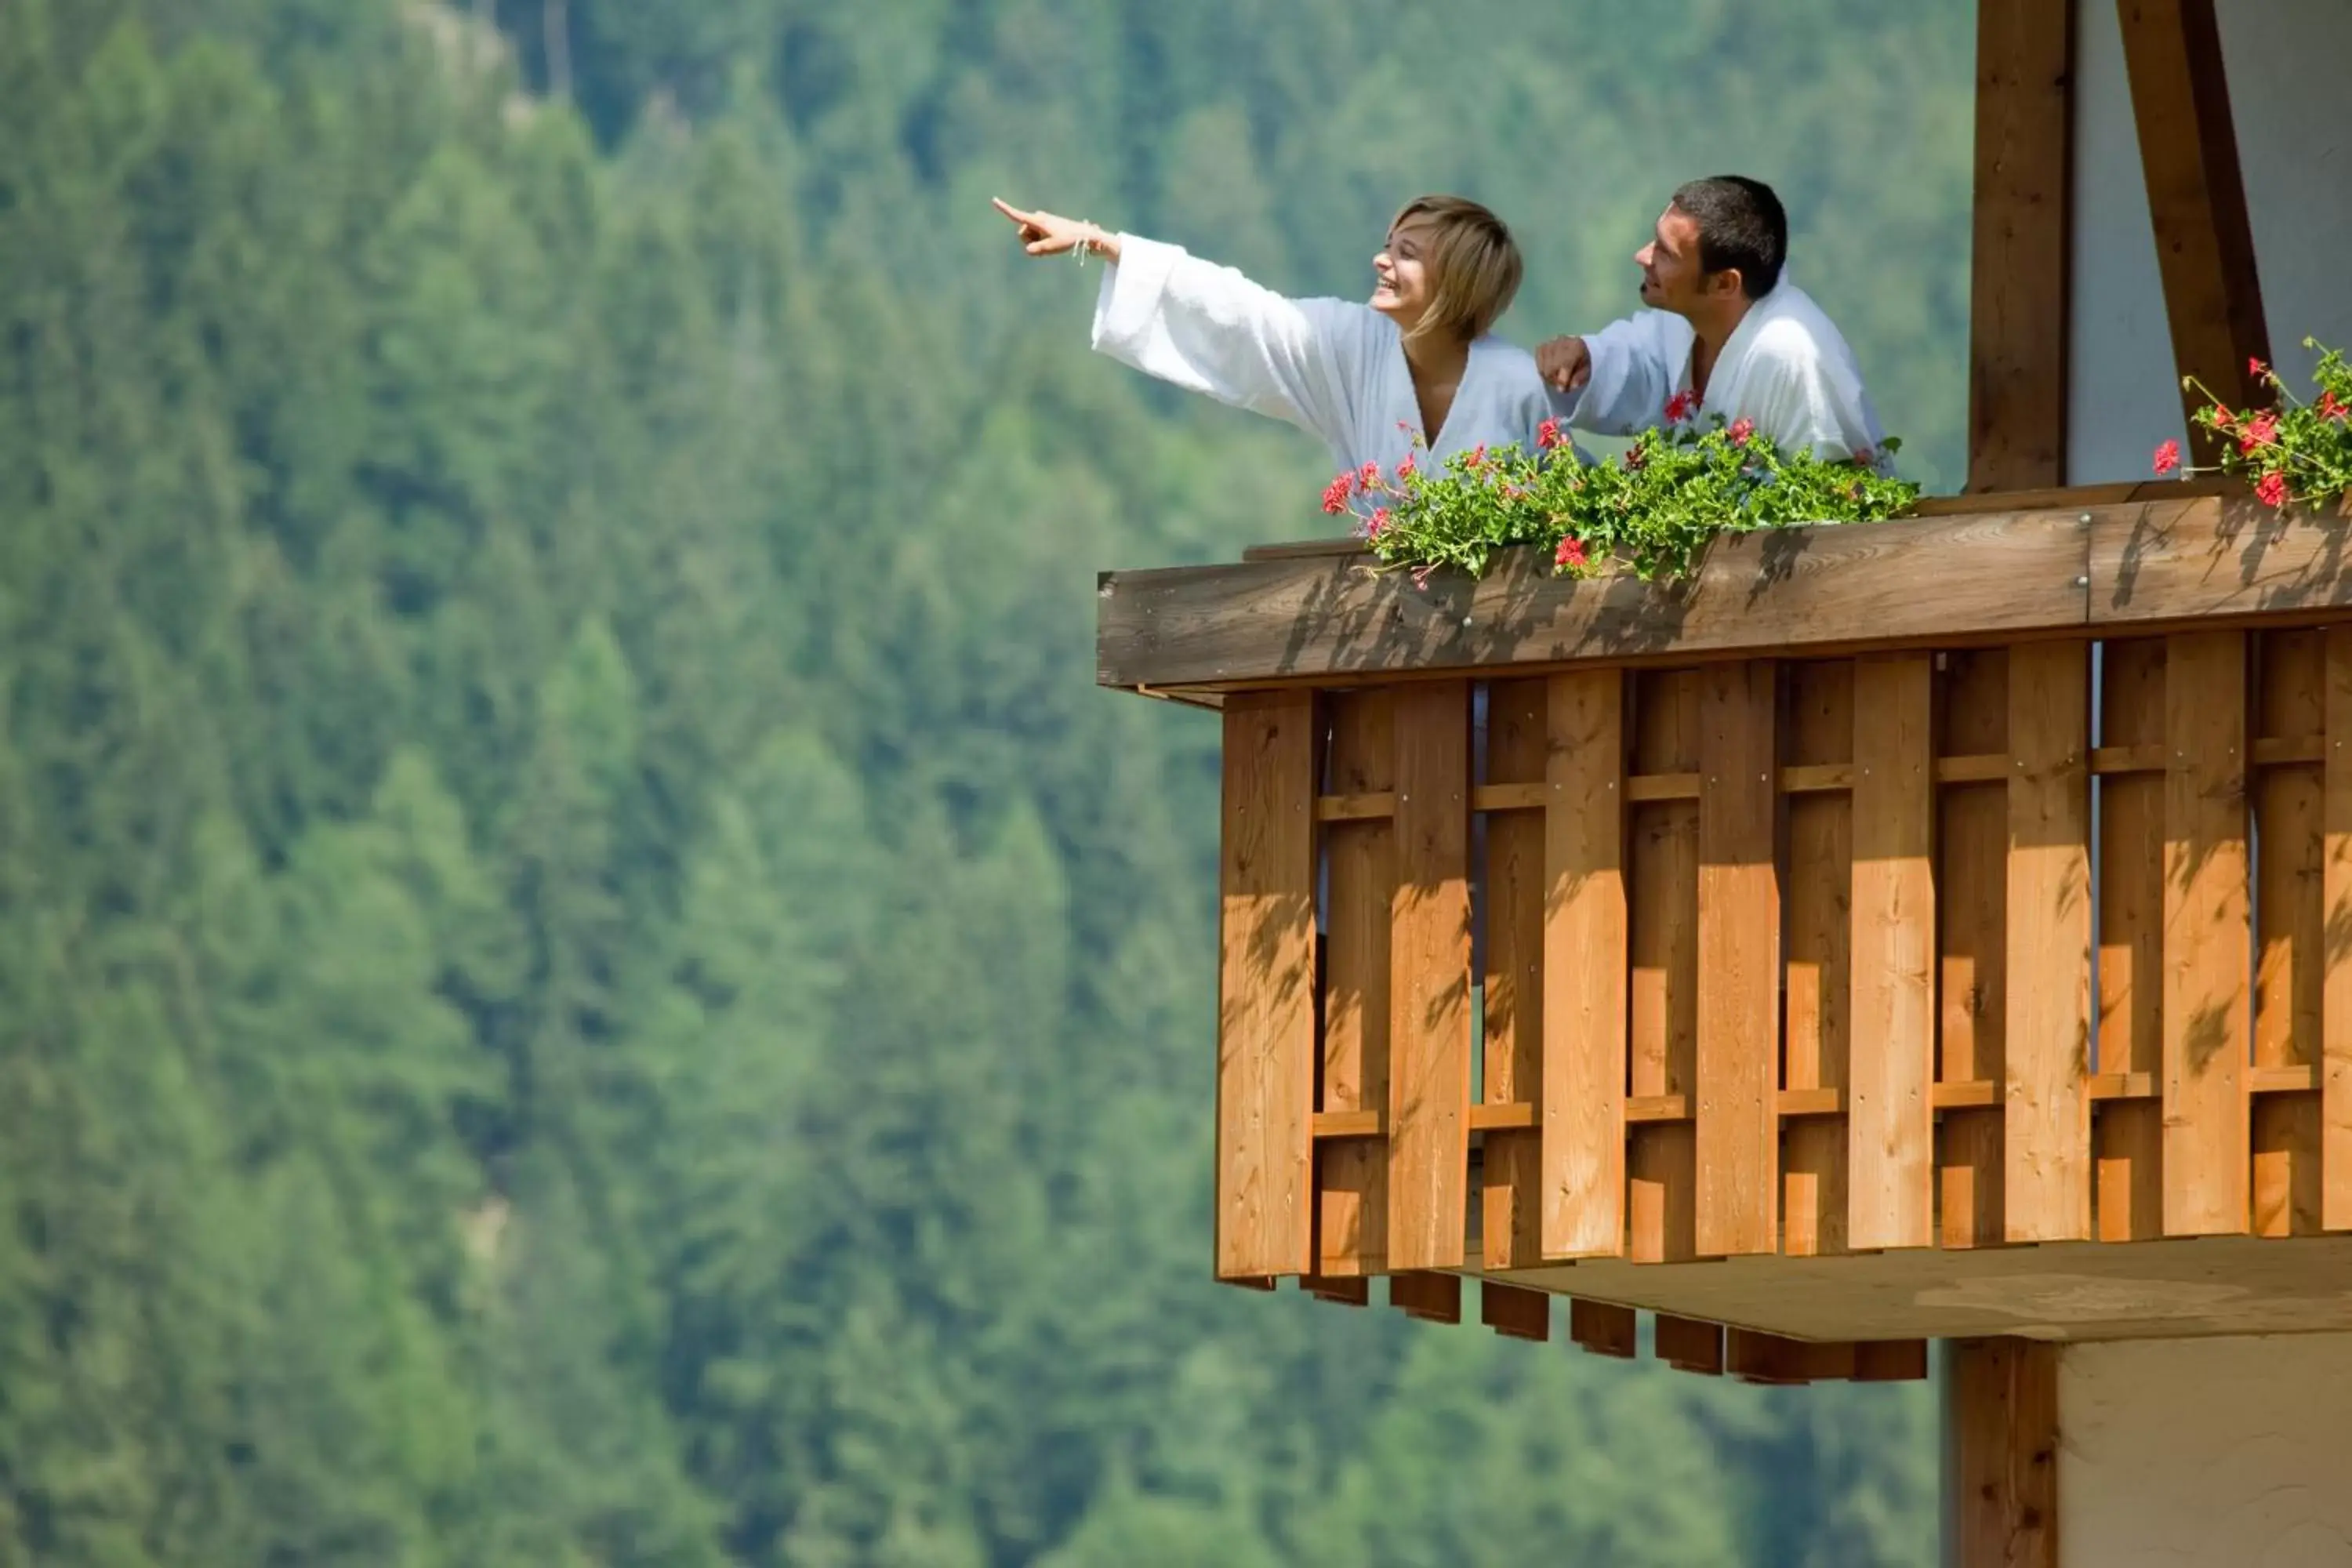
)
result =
(1473, 262)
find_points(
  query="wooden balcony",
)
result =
(1898, 930)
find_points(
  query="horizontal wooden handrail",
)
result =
(1988, 569)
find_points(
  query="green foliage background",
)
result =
(586, 978)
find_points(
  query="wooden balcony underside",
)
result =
(2084, 1290)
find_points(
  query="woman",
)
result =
(1416, 360)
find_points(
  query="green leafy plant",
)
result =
(1653, 511)
(2297, 452)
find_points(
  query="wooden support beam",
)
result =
(2195, 196)
(1515, 1311)
(2000, 1456)
(1689, 1344)
(1431, 1298)
(1602, 1327)
(2018, 296)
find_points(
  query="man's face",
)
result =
(1672, 279)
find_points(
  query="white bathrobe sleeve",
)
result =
(1635, 364)
(1208, 328)
(1802, 396)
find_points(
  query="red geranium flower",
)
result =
(2271, 492)
(2222, 418)
(1547, 435)
(1335, 494)
(2260, 431)
(2331, 408)
(1367, 476)
(2256, 368)
(1380, 521)
(1570, 553)
(1680, 407)
(2167, 456)
(1740, 430)
(1405, 468)
(1478, 458)
(1635, 456)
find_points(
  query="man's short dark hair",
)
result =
(1741, 223)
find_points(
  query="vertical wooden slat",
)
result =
(1817, 993)
(1689, 1344)
(1428, 980)
(2046, 1174)
(2289, 921)
(1351, 1228)
(1585, 961)
(2207, 936)
(2129, 1178)
(1514, 1311)
(1972, 930)
(2001, 1444)
(1891, 1112)
(2196, 196)
(1602, 1327)
(2335, 985)
(1739, 960)
(1265, 986)
(1517, 735)
(2023, 251)
(1661, 1181)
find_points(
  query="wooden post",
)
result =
(2000, 1454)
(2020, 277)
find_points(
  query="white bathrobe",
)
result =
(1786, 367)
(1332, 367)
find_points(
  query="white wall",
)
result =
(2289, 63)
(2217, 1453)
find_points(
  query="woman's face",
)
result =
(1402, 283)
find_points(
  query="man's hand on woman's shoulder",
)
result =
(1565, 363)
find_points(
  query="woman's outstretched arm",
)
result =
(1210, 329)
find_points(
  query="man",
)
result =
(1726, 333)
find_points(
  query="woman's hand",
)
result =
(1046, 233)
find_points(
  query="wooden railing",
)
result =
(1995, 939)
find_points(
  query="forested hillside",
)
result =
(585, 977)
